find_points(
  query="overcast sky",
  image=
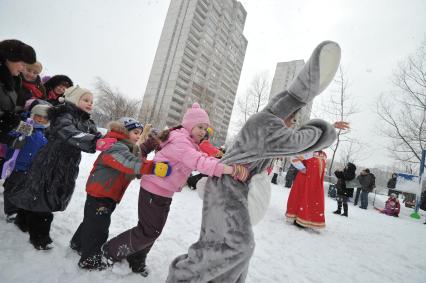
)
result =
(117, 40)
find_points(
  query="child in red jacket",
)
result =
(112, 173)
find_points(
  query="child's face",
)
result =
(290, 121)
(59, 89)
(85, 103)
(199, 131)
(134, 135)
(30, 74)
(40, 120)
(15, 68)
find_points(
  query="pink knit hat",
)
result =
(193, 116)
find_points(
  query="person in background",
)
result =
(290, 176)
(305, 205)
(55, 88)
(31, 84)
(391, 185)
(392, 206)
(343, 192)
(368, 183)
(277, 169)
(14, 55)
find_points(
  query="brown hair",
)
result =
(164, 135)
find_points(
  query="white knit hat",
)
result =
(40, 109)
(74, 93)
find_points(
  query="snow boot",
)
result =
(94, 262)
(345, 210)
(10, 218)
(43, 243)
(137, 262)
(339, 208)
(106, 258)
(21, 221)
(74, 246)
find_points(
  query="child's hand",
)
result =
(341, 125)
(105, 143)
(240, 172)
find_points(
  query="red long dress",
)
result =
(305, 203)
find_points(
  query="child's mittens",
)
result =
(105, 143)
(160, 169)
(240, 173)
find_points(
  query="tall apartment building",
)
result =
(199, 59)
(284, 75)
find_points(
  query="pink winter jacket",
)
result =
(184, 156)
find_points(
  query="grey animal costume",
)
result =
(226, 243)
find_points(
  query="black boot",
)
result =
(93, 262)
(339, 208)
(137, 261)
(345, 210)
(21, 221)
(42, 243)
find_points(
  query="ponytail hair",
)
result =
(164, 135)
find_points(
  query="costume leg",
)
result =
(226, 243)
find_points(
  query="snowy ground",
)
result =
(366, 247)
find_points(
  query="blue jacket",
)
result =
(32, 145)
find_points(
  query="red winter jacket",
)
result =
(209, 149)
(115, 168)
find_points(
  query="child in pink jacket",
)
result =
(180, 148)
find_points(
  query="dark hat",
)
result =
(57, 80)
(130, 123)
(367, 170)
(15, 51)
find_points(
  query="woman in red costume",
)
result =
(305, 205)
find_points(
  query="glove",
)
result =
(105, 143)
(160, 169)
(240, 173)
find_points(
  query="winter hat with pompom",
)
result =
(73, 94)
(130, 123)
(193, 116)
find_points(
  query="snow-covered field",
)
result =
(366, 247)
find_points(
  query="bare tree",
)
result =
(112, 104)
(403, 112)
(351, 151)
(255, 98)
(340, 107)
(144, 117)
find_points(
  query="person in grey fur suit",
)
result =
(226, 243)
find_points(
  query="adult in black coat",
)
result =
(342, 192)
(391, 185)
(13, 56)
(51, 179)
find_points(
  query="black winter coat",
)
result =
(8, 96)
(367, 181)
(342, 176)
(51, 179)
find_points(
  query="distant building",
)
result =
(199, 59)
(283, 77)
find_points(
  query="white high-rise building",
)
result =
(199, 59)
(284, 75)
